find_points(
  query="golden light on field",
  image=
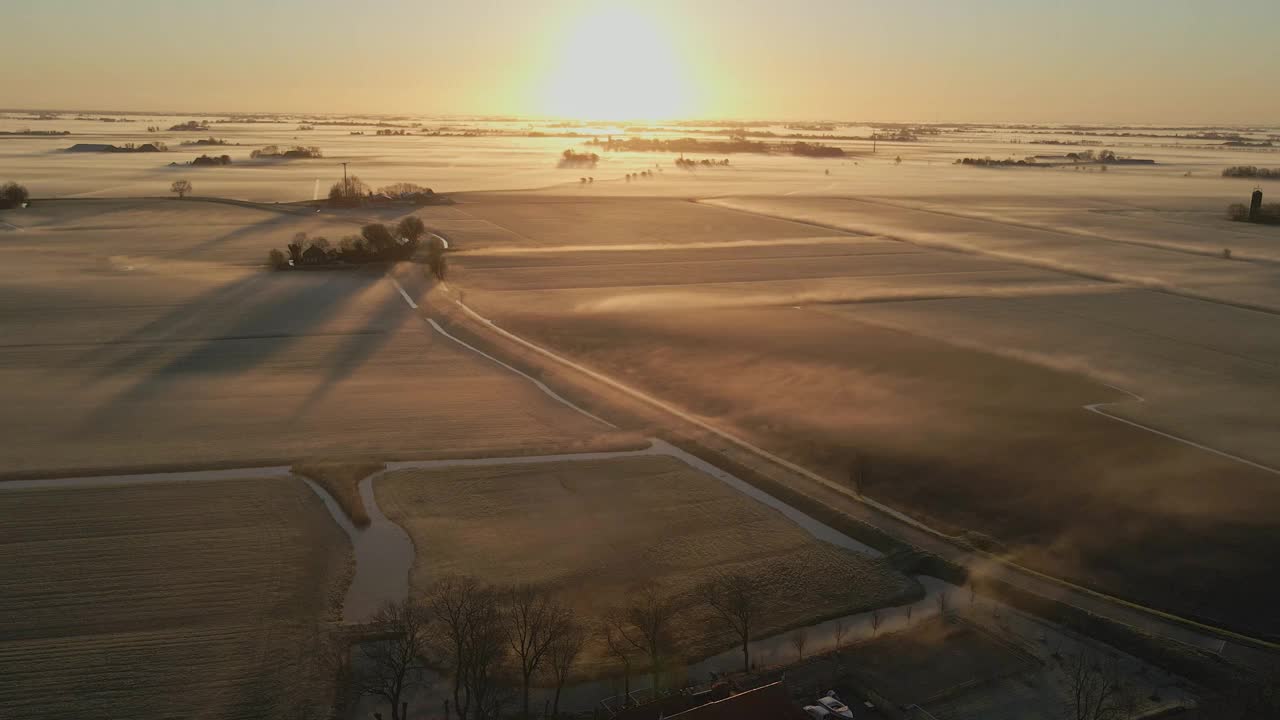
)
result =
(617, 63)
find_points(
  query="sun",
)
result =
(617, 64)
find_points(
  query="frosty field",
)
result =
(596, 530)
(202, 596)
(953, 383)
(1059, 362)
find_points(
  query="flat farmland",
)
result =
(547, 219)
(952, 386)
(594, 530)
(1202, 370)
(173, 600)
(153, 358)
(1168, 248)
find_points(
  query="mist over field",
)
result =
(639, 359)
(1066, 367)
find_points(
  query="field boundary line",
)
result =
(1068, 231)
(538, 383)
(1097, 408)
(896, 514)
(403, 294)
(1063, 269)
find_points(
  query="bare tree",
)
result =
(910, 608)
(942, 599)
(324, 651)
(1093, 686)
(392, 665)
(347, 190)
(734, 601)
(645, 624)
(562, 654)
(531, 621)
(798, 640)
(181, 187)
(619, 648)
(840, 631)
(296, 246)
(473, 640)
(876, 619)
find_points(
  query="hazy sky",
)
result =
(1175, 61)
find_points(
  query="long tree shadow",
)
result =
(259, 228)
(357, 348)
(181, 320)
(271, 322)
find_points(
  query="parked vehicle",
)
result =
(818, 712)
(835, 707)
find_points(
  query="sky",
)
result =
(1115, 61)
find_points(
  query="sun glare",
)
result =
(617, 64)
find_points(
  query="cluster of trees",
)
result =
(904, 134)
(211, 140)
(13, 195)
(390, 131)
(642, 174)
(29, 131)
(350, 190)
(804, 149)
(404, 189)
(682, 145)
(188, 126)
(212, 160)
(1249, 171)
(297, 151)
(989, 162)
(1268, 214)
(734, 144)
(375, 243)
(688, 164)
(571, 159)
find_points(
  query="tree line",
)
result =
(375, 243)
(493, 642)
(1249, 171)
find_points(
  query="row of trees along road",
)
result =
(494, 641)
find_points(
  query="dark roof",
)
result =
(92, 147)
(768, 702)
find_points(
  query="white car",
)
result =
(818, 712)
(835, 708)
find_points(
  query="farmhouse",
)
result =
(314, 256)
